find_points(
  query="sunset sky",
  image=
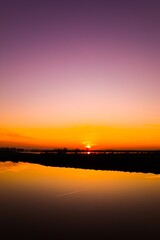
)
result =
(74, 73)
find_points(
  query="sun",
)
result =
(88, 146)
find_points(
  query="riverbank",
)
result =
(141, 161)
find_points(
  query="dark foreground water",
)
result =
(39, 202)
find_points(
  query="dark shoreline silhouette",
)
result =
(130, 161)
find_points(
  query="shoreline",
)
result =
(142, 161)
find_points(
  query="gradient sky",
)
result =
(80, 72)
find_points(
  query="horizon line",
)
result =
(79, 149)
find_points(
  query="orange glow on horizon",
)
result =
(103, 137)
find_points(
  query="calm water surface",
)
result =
(56, 203)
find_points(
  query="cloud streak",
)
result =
(4, 133)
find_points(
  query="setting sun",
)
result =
(88, 146)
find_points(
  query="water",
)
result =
(60, 203)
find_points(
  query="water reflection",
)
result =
(75, 200)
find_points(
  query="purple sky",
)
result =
(79, 62)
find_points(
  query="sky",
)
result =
(74, 73)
